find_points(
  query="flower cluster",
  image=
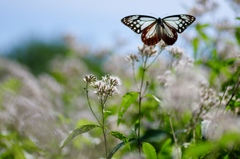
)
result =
(148, 51)
(90, 78)
(219, 122)
(175, 51)
(162, 44)
(132, 58)
(29, 104)
(104, 88)
(181, 85)
(203, 6)
(208, 97)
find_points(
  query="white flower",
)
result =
(162, 44)
(132, 58)
(175, 51)
(107, 86)
(147, 50)
(218, 122)
(182, 89)
(90, 78)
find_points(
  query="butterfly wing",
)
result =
(174, 24)
(138, 22)
(179, 22)
(168, 34)
(151, 35)
(146, 25)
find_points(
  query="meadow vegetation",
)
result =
(61, 100)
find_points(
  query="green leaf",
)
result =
(197, 151)
(107, 112)
(149, 151)
(204, 36)
(201, 31)
(78, 131)
(136, 125)
(195, 43)
(230, 61)
(229, 138)
(202, 26)
(119, 136)
(18, 152)
(13, 85)
(198, 131)
(154, 135)
(151, 96)
(116, 148)
(127, 100)
(166, 150)
(237, 34)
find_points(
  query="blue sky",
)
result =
(96, 23)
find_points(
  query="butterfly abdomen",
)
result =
(160, 22)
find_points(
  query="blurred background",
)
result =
(95, 23)
(47, 47)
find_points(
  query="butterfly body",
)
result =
(155, 29)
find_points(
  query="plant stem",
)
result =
(103, 100)
(140, 97)
(139, 119)
(235, 88)
(89, 104)
(154, 59)
(133, 71)
(102, 125)
(174, 136)
(104, 132)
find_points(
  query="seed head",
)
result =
(147, 50)
(175, 51)
(132, 58)
(90, 78)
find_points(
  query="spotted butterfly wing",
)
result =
(155, 29)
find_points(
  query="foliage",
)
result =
(37, 55)
(182, 106)
(78, 131)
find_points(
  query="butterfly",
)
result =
(156, 29)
